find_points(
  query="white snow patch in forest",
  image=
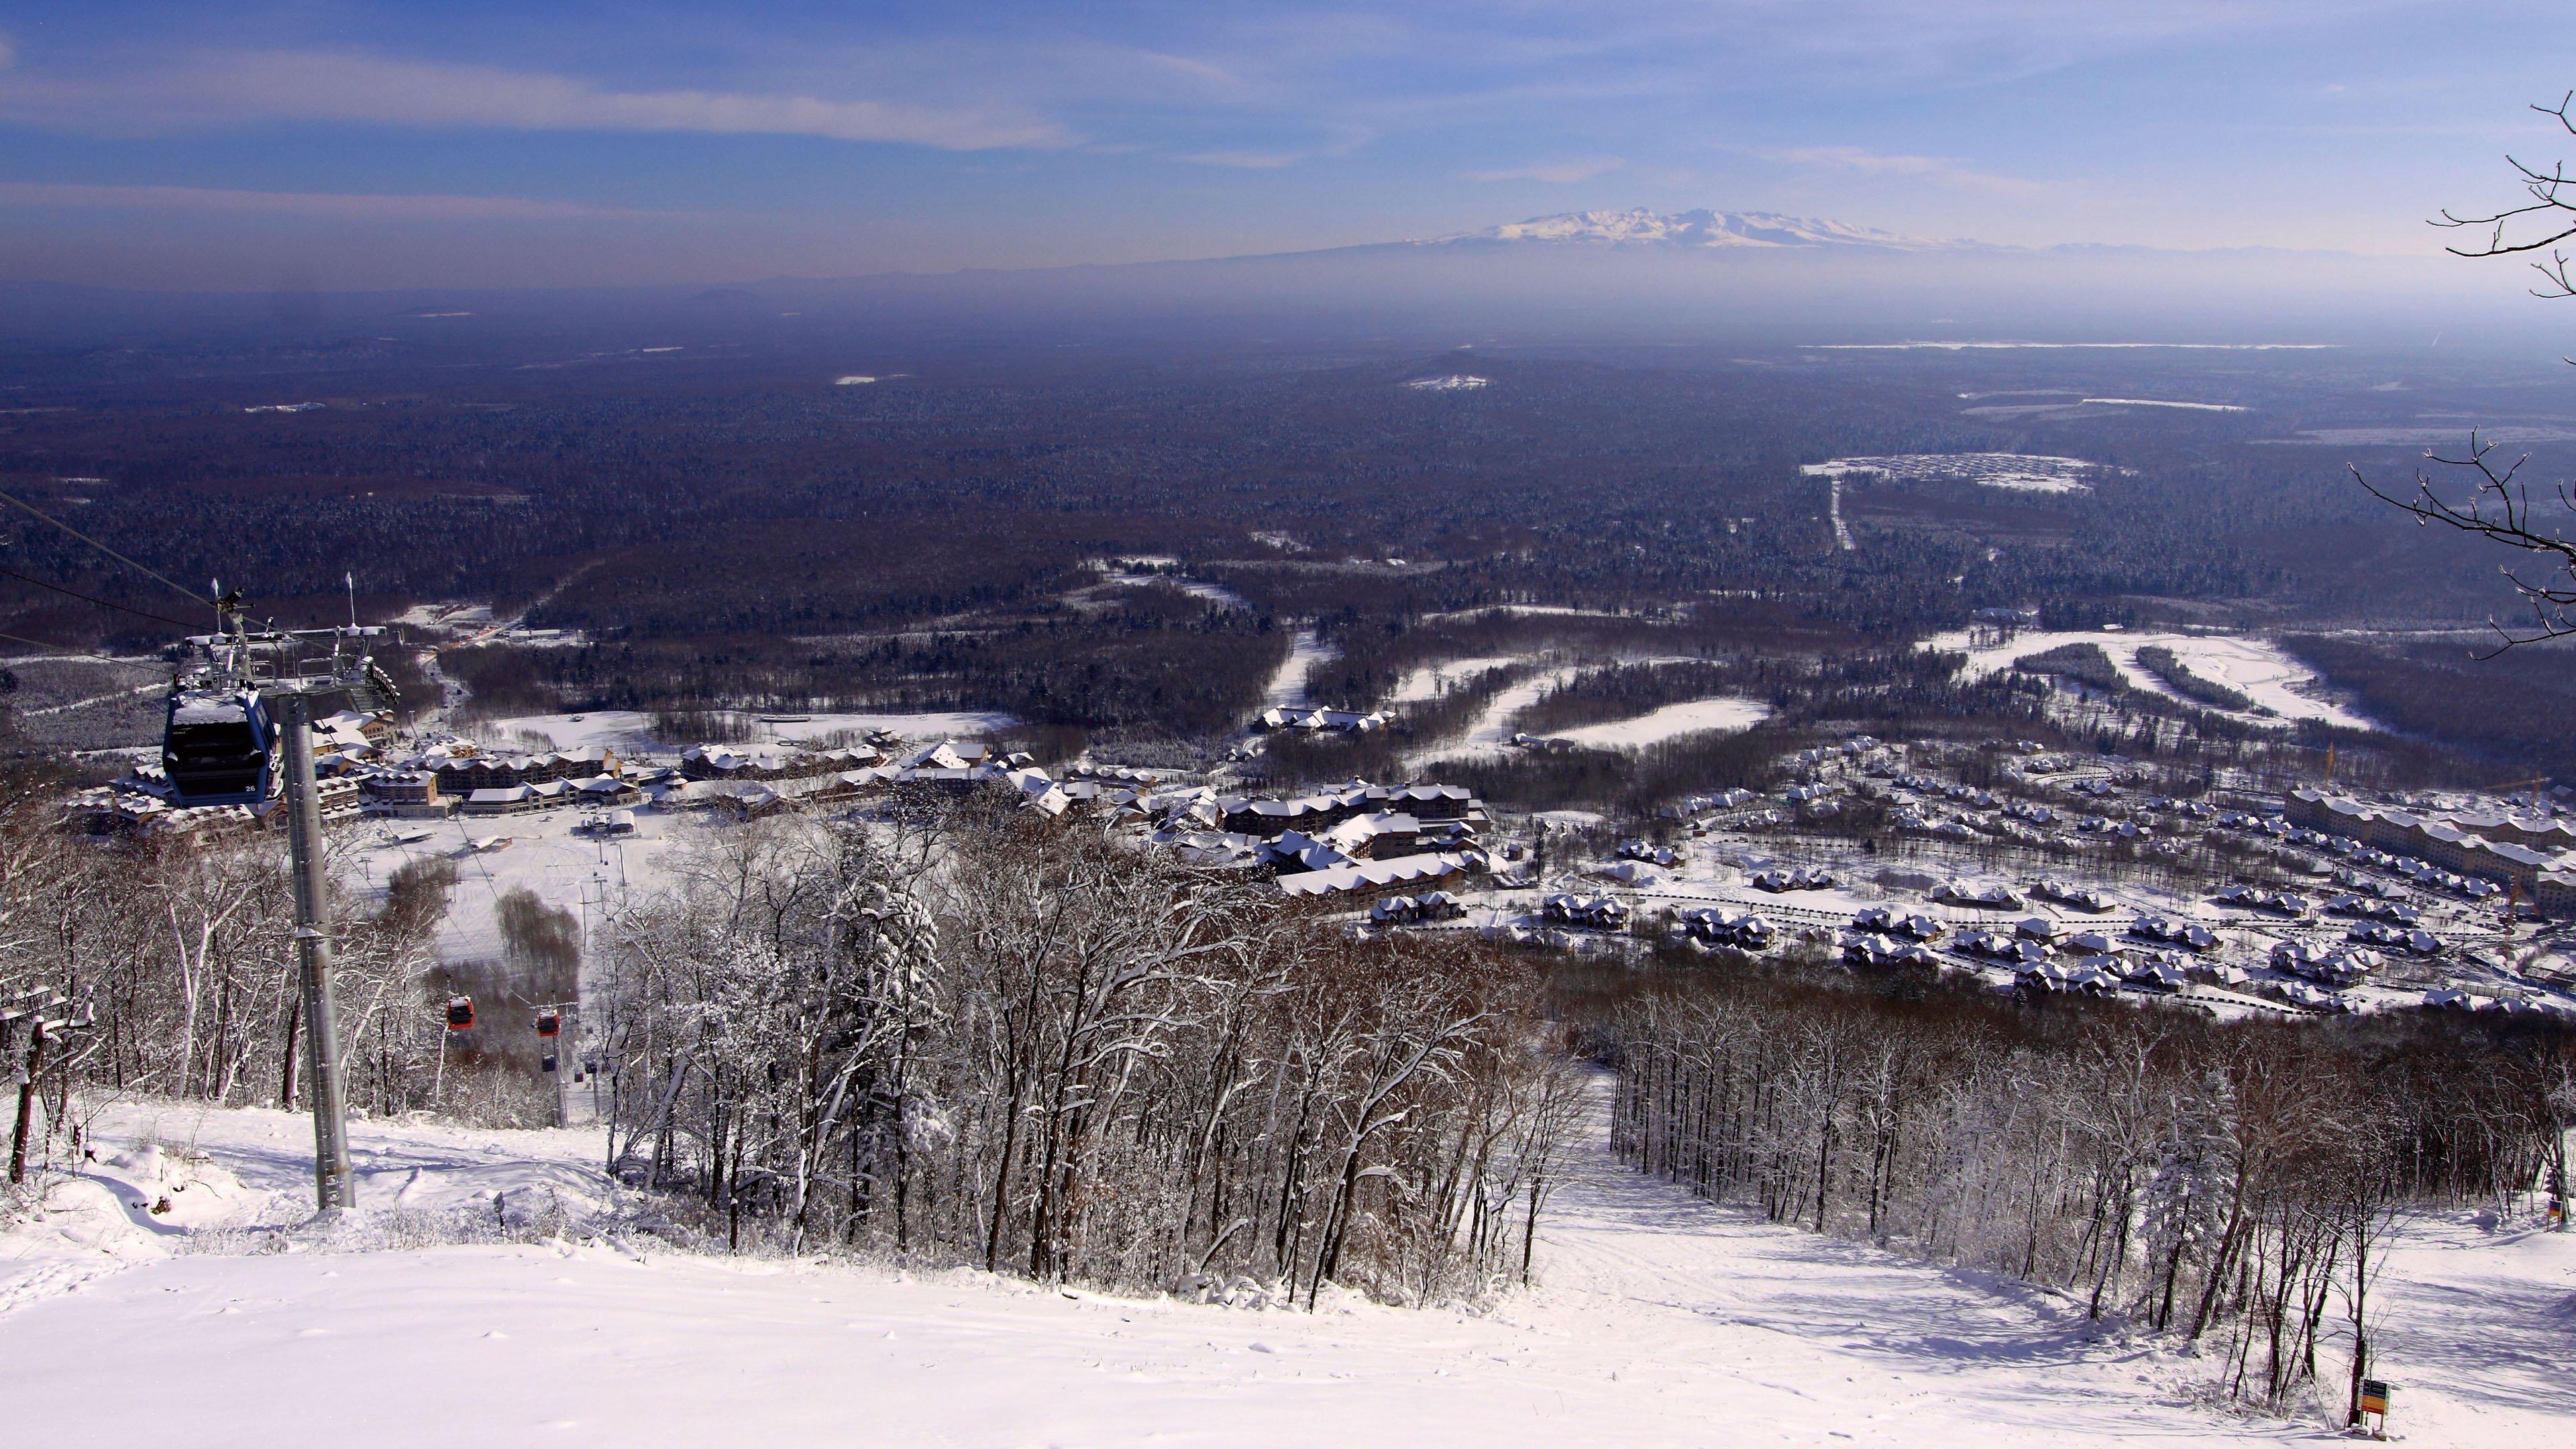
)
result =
(1195, 588)
(1287, 688)
(1725, 712)
(2151, 402)
(2019, 472)
(1429, 680)
(1493, 729)
(2257, 668)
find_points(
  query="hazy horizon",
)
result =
(355, 146)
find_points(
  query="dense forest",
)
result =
(730, 527)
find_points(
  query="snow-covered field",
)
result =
(1688, 717)
(1657, 1320)
(629, 730)
(574, 872)
(2257, 668)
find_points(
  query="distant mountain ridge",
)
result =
(1702, 230)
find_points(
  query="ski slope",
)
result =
(1658, 1321)
(2257, 668)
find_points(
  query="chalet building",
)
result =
(724, 762)
(1325, 721)
(406, 795)
(1369, 880)
(606, 790)
(2553, 892)
(519, 799)
(466, 774)
(1425, 802)
(2447, 843)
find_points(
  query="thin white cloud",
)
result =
(1246, 160)
(1855, 160)
(343, 206)
(331, 86)
(1561, 173)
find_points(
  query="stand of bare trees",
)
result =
(181, 960)
(1019, 1045)
(2230, 1184)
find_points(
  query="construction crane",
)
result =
(2535, 782)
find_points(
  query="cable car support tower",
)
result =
(295, 669)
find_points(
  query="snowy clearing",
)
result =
(1195, 588)
(1428, 681)
(1724, 712)
(1658, 1320)
(1288, 686)
(2019, 472)
(1492, 732)
(2150, 402)
(542, 855)
(629, 731)
(2256, 668)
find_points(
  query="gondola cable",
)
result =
(68, 649)
(103, 548)
(102, 603)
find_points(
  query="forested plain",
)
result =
(726, 525)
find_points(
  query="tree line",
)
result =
(1016, 1044)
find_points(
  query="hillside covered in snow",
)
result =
(495, 1287)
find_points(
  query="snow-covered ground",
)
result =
(212, 1170)
(630, 731)
(2020, 472)
(1689, 717)
(1658, 1320)
(573, 872)
(1492, 731)
(2257, 668)
(1427, 681)
(1195, 588)
(1288, 685)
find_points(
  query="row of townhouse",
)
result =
(1428, 804)
(2448, 843)
(1369, 880)
(726, 762)
(462, 775)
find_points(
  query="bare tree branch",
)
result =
(2499, 509)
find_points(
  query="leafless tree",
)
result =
(2498, 505)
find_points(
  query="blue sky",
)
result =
(342, 144)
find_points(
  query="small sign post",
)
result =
(2374, 1407)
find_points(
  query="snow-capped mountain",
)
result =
(1638, 227)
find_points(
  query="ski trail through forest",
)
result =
(1836, 1331)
